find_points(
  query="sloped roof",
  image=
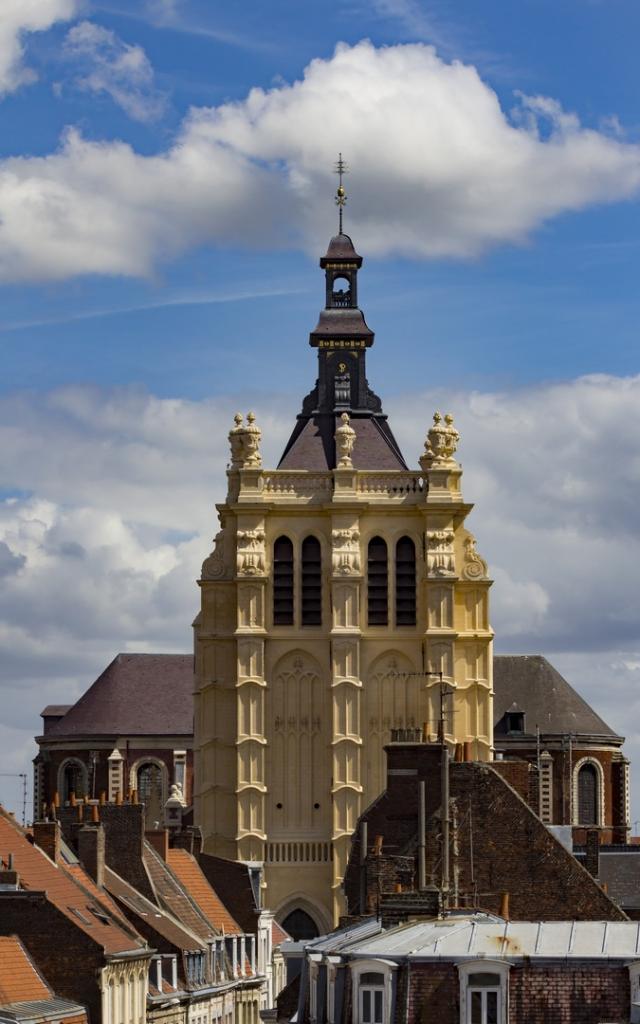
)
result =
(137, 694)
(19, 977)
(188, 872)
(311, 445)
(75, 900)
(477, 935)
(619, 870)
(531, 683)
(32, 1010)
(159, 920)
(171, 894)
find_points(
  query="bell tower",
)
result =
(344, 598)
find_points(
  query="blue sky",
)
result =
(165, 191)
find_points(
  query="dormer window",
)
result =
(515, 722)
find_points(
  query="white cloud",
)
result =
(116, 68)
(104, 553)
(17, 18)
(439, 169)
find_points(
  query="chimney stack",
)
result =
(91, 851)
(47, 836)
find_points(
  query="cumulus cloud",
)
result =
(17, 19)
(116, 68)
(112, 516)
(439, 169)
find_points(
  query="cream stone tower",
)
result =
(343, 596)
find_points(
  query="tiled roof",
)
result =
(155, 917)
(19, 979)
(278, 934)
(171, 894)
(137, 694)
(76, 901)
(188, 871)
(547, 699)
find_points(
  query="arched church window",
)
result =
(300, 925)
(377, 583)
(311, 582)
(73, 780)
(405, 582)
(588, 795)
(283, 582)
(151, 792)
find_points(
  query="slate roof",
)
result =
(312, 446)
(75, 900)
(341, 248)
(619, 870)
(137, 694)
(171, 894)
(531, 683)
(19, 978)
(162, 922)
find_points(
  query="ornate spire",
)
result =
(341, 196)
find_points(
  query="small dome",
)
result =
(341, 247)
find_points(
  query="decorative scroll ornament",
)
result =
(440, 557)
(346, 552)
(475, 567)
(345, 438)
(245, 443)
(251, 553)
(214, 566)
(441, 443)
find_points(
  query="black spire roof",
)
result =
(342, 338)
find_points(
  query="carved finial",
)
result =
(341, 196)
(441, 443)
(345, 438)
(235, 440)
(252, 435)
(245, 442)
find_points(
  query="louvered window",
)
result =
(588, 795)
(377, 583)
(405, 582)
(311, 582)
(283, 582)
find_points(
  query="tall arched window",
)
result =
(405, 582)
(150, 793)
(588, 795)
(283, 582)
(311, 582)
(377, 583)
(74, 779)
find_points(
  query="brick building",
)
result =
(473, 969)
(581, 775)
(131, 730)
(79, 940)
(407, 858)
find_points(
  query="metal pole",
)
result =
(364, 840)
(422, 848)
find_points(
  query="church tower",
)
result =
(344, 598)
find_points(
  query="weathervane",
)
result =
(341, 196)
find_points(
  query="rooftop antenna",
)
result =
(341, 196)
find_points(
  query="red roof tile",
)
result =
(188, 871)
(19, 978)
(76, 900)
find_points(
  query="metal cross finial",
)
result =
(341, 196)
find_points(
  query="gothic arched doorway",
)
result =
(300, 925)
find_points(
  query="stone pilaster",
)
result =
(346, 688)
